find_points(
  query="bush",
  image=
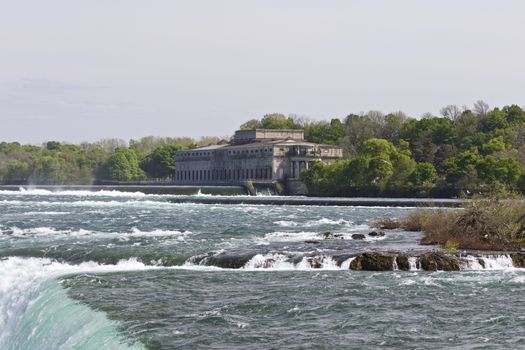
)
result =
(492, 223)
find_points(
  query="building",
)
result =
(259, 156)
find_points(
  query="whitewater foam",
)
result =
(52, 232)
(489, 262)
(76, 193)
(283, 262)
(25, 281)
(284, 236)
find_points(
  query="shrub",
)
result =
(492, 223)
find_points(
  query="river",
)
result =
(115, 270)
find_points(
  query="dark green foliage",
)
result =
(272, 121)
(324, 132)
(464, 153)
(110, 159)
(123, 165)
(161, 162)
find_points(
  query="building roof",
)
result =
(285, 142)
(208, 148)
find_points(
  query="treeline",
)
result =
(107, 160)
(463, 151)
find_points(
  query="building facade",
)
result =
(260, 155)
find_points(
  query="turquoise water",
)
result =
(82, 270)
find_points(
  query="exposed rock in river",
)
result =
(372, 262)
(376, 234)
(358, 236)
(403, 263)
(518, 260)
(434, 261)
(331, 235)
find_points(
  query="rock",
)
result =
(434, 261)
(228, 261)
(518, 260)
(372, 262)
(481, 262)
(311, 241)
(358, 236)
(331, 235)
(339, 259)
(402, 262)
(376, 234)
(315, 262)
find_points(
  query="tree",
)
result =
(123, 165)
(15, 172)
(359, 128)
(161, 162)
(496, 144)
(324, 132)
(278, 121)
(393, 126)
(515, 114)
(423, 178)
(481, 108)
(451, 112)
(251, 124)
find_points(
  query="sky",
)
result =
(91, 69)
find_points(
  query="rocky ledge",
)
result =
(430, 261)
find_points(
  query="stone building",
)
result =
(259, 156)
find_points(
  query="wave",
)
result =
(77, 193)
(35, 312)
(276, 261)
(51, 231)
(311, 223)
(92, 203)
(282, 236)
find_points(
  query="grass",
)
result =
(492, 223)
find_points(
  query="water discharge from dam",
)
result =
(116, 270)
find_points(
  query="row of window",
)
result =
(239, 151)
(224, 174)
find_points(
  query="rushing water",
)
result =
(112, 270)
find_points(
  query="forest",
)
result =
(463, 151)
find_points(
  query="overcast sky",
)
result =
(84, 70)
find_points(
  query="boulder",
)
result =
(518, 260)
(311, 241)
(315, 262)
(402, 262)
(372, 262)
(434, 261)
(481, 262)
(227, 261)
(331, 235)
(376, 234)
(358, 236)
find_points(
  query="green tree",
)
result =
(251, 124)
(123, 165)
(278, 121)
(161, 162)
